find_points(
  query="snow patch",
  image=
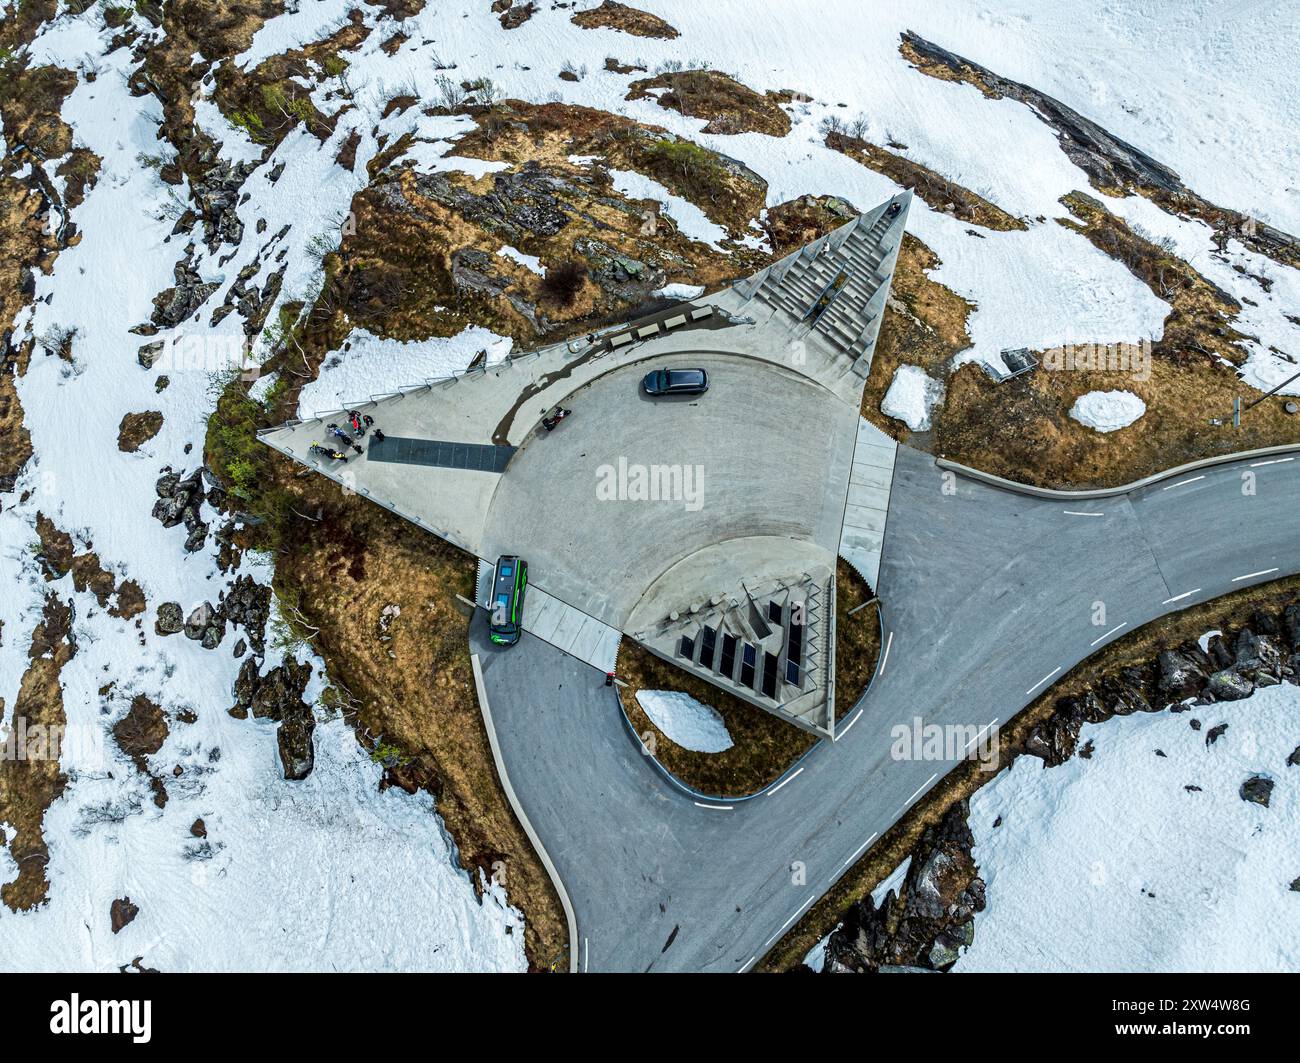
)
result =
(690, 723)
(912, 395)
(1107, 411)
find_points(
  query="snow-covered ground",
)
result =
(1107, 411)
(689, 723)
(911, 396)
(1145, 857)
(373, 881)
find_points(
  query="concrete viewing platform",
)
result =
(704, 527)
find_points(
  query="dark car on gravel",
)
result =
(676, 382)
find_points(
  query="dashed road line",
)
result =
(884, 660)
(1043, 680)
(1108, 633)
(748, 963)
(918, 793)
(975, 741)
(1080, 513)
(856, 715)
(1182, 483)
(1180, 597)
(811, 897)
(861, 849)
(1252, 575)
(716, 808)
(778, 786)
(1274, 461)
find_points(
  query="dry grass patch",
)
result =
(380, 596)
(615, 16)
(728, 105)
(763, 746)
(939, 192)
(857, 637)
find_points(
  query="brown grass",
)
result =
(857, 637)
(410, 683)
(29, 786)
(939, 192)
(728, 105)
(615, 16)
(763, 745)
(1142, 645)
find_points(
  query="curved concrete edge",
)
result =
(1111, 492)
(690, 791)
(522, 816)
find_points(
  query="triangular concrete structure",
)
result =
(706, 528)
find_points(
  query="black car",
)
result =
(676, 382)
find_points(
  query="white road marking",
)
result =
(1109, 633)
(1252, 575)
(1180, 597)
(783, 782)
(1182, 483)
(976, 739)
(1079, 513)
(716, 808)
(885, 659)
(918, 792)
(586, 955)
(747, 964)
(861, 849)
(851, 722)
(1043, 680)
(811, 897)
(1275, 461)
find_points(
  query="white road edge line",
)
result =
(861, 849)
(976, 739)
(1180, 597)
(778, 786)
(1043, 680)
(885, 659)
(1275, 461)
(918, 792)
(716, 808)
(801, 909)
(586, 955)
(1079, 513)
(851, 722)
(748, 964)
(1252, 575)
(1109, 633)
(1182, 483)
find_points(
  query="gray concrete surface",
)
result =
(989, 598)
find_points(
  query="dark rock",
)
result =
(1215, 733)
(247, 604)
(297, 754)
(1180, 676)
(170, 619)
(149, 353)
(121, 912)
(1218, 652)
(199, 829)
(1257, 789)
(240, 648)
(1293, 761)
(1291, 625)
(1229, 686)
(1256, 655)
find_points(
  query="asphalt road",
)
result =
(989, 596)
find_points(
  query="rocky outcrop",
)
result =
(121, 912)
(206, 626)
(247, 604)
(173, 306)
(278, 696)
(522, 205)
(930, 919)
(1258, 789)
(178, 502)
(171, 620)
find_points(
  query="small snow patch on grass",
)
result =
(912, 395)
(1107, 411)
(690, 723)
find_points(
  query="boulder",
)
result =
(1257, 789)
(199, 620)
(170, 619)
(149, 353)
(1291, 625)
(1180, 675)
(297, 754)
(1229, 686)
(121, 912)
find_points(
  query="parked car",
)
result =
(676, 382)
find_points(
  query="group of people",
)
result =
(360, 424)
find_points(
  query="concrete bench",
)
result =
(701, 312)
(646, 331)
(675, 322)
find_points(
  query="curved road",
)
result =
(991, 595)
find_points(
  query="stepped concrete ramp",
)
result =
(610, 504)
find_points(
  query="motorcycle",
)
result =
(559, 415)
